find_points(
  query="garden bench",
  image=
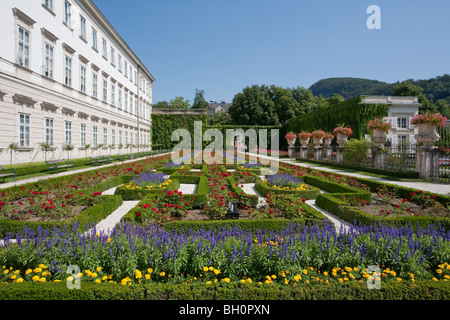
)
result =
(99, 160)
(55, 165)
(122, 157)
(5, 173)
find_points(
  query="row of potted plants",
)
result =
(426, 123)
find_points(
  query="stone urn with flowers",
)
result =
(427, 124)
(379, 129)
(342, 133)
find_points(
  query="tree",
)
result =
(406, 88)
(335, 99)
(220, 118)
(253, 106)
(199, 100)
(179, 103)
(161, 105)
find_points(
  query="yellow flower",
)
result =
(399, 279)
(6, 271)
(305, 271)
(274, 277)
(20, 280)
(42, 280)
(13, 276)
(242, 281)
(150, 270)
(94, 275)
(104, 278)
(99, 269)
(439, 271)
(434, 279)
(35, 278)
(216, 271)
(205, 269)
(162, 274)
(211, 269)
(209, 282)
(28, 271)
(147, 276)
(42, 266)
(325, 273)
(249, 280)
(98, 281)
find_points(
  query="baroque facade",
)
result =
(68, 80)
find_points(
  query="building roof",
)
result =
(394, 100)
(215, 105)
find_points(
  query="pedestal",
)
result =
(304, 152)
(328, 152)
(318, 153)
(427, 160)
(339, 154)
(291, 152)
(377, 158)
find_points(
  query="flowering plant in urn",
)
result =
(304, 138)
(379, 124)
(291, 137)
(318, 136)
(343, 131)
(432, 119)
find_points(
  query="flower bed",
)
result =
(286, 183)
(297, 255)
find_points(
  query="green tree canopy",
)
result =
(199, 100)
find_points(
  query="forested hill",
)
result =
(434, 89)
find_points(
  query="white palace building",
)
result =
(67, 78)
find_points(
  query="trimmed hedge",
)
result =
(400, 174)
(420, 290)
(336, 203)
(129, 194)
(264, 189)
(245, 224)
(237, 190)
(92, 214)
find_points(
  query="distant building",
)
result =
(218, 107)
(400, 114)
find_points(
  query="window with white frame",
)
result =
(136, 137)
(94, 39)
(126, 138)
(67, 12)
(113, 137)
(82, 27)
(49, 4)
(67, 70)
(120, 137)
(49, 131)
(125, 101)
(113, 94)
(113, 56)
(131, 138)
(94, 85)
(402, 123)
(48, 60)
(120, 98)
(83, 135)
(94, 136)
(83, 78)
(24, 130)
(105, 90)
(119, 62)
(105, 49)
(105, 137)
(125, 69)
(68, 133)
(23, 48)
(131, 73)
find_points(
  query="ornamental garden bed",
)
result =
(282, 246)
(65, 200)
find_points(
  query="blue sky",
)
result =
(223, 46)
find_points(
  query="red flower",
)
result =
(138, 214)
